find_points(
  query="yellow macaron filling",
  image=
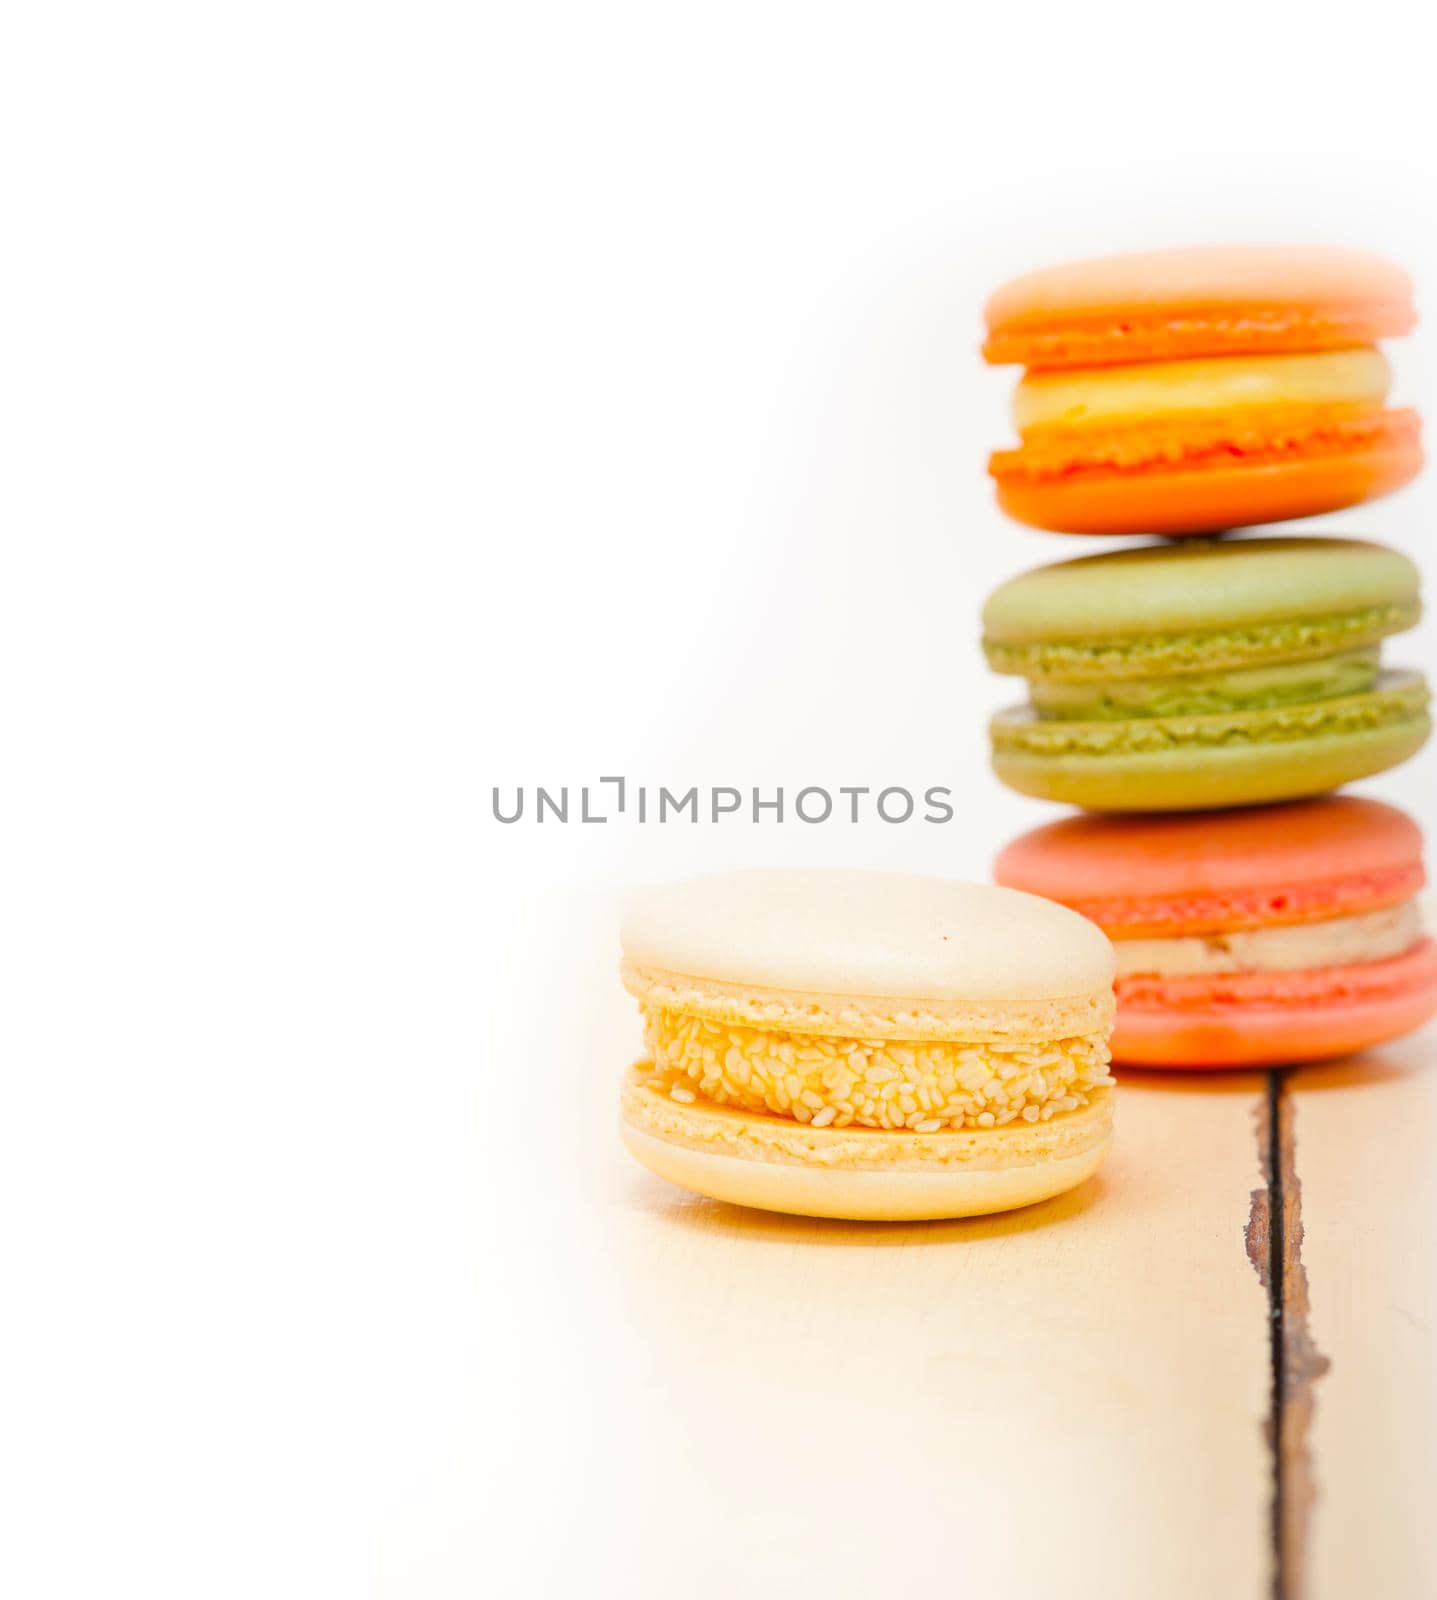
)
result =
(1358, 378)
(826, 1081)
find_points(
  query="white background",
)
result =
(405, 400)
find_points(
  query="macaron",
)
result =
(1203, 674)
(869, 1046)
(1248, 938)
(1190, 391)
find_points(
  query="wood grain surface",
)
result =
(1067, 1399)
(1365, 1135)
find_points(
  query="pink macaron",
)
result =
(1253, 937)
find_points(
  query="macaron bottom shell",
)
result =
(1209, 499)
(861, 1174)
(1210, 763)
(1331, 1014)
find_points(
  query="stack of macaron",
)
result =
(1202, 694)
(873, 1046)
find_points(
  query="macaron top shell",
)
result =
(869, 933)
(1201, 587)
(1209, 300)
(1213, 872)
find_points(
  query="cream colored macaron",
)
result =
(868, 1045)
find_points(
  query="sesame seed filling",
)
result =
(824, 1081)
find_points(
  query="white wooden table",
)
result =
(1073, 1399)
(660, 1397)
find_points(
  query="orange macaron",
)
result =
(1191, 391)
(1254, 937)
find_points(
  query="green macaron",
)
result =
(1206, 674)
